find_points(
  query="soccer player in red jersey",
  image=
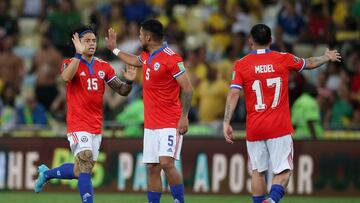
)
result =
(85, 77)
(166, 117)
(263, 76)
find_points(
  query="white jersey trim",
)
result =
(236, 86)
(111, 79)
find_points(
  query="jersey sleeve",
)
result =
(177, 67)
(142, 57)
(236, 80)
(65, 64)
(294, 63)
(109, 73)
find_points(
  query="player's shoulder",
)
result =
(67, 60)
(101, 60)
(170, 53)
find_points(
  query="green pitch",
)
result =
(22, 197)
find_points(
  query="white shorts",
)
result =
(277, 151)
(161, 142)
(80, 141)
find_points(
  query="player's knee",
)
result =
(153, 169)
(85, 160)
(167, 164)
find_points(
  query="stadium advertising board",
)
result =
(207, 165)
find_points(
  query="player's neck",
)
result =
(260, 47)
(154, 47)
(87, 58)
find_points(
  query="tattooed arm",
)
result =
(122, 88)
(231, 101)
(314, 62)
(186, 96)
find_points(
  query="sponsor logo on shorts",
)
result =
(169, 150)
(84, 139)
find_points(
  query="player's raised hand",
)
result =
(111, 39)
(333, 55)
(183, 125)
(130, 72)
(79, 47)
(228, 133)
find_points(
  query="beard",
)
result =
(144, 48)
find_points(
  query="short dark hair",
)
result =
(83, 29)
(261, 34)
(154, 27)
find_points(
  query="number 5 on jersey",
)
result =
(147, 74)
(270, 82)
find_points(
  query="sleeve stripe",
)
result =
(303, 66)
(178, 74)
(235, 86)
(111, 79)
(139, 58)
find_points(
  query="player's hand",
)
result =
(228, 133)
(333, 55)
(183, 125)
(79, 47)
(130, 72)
(111, 39)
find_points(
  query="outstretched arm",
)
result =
(186, 96)
(124, 88)
(329, 55)
(69, 72)
(128, 58)
(231, 102)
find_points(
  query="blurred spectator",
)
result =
(305, 115)
(212, 94)
(8, 24)
(319, 24)
(47, 64)
(242, 18)
(32, 8)
(31, 114)
(341, 112)
(59, 24)
(173, 35)
(11, 69)
(130, 43)
(279, 44)
(296, 86)
(333, 78)
(291, 22)
(325, 96)
(136, 10)
(7, 107)
(132, 118)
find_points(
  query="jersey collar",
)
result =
(90, 65)
(260, 51)
(156, 52)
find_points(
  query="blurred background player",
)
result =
(85, 77)
(166, 118)
(263, 75)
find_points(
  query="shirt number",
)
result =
(147, 75)
(270, 82)
(92, 84)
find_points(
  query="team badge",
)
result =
(101, 74)
(157, 66)
(84, 139)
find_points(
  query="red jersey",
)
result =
(160, 89)
(263, 75)
(84, 95)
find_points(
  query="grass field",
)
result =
(23, 197)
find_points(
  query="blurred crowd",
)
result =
(209, 34)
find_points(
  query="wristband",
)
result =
(77, 56)
(116, 51)
(129, 82)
